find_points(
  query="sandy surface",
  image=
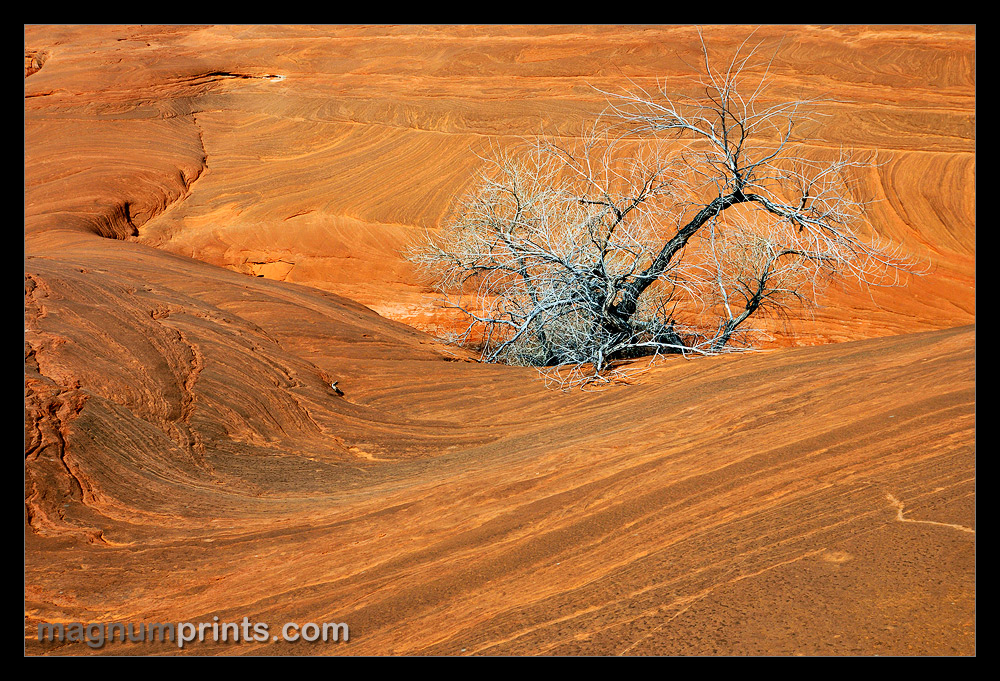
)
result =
(213, 218)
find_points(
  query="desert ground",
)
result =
(214, 220)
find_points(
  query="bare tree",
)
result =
(663, 229)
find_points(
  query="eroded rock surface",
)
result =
(209, 211)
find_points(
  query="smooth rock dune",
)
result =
(214, 220)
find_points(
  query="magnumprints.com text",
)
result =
(96, 635)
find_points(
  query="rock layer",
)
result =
(209, 211)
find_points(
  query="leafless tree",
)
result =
(663, 229)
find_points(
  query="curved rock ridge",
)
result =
(330, 149)
(226, 417)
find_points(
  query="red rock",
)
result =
(186, 458)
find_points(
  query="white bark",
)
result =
(667, 227)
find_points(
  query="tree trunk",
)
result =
(621, 313)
